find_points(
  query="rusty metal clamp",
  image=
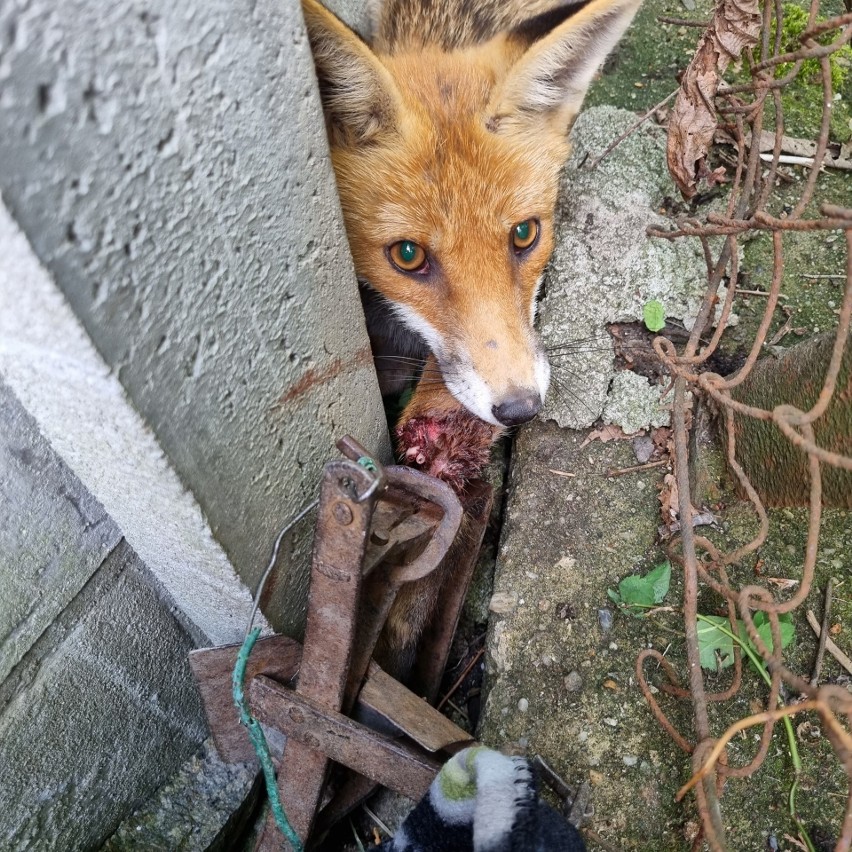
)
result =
(441, 495)
(377, 528)
(355, 452)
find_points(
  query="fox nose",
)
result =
(521, 406)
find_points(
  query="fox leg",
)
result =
(438, 435)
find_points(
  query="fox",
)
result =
(448, 128)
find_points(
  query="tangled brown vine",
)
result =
(705, 103)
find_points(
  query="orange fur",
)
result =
(448, 131)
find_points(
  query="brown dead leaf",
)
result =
(782, 582)
(661, 436)
(835, 629)
(595, 777)
(608, 433)
(668, 498)
(735, 26)
(609, 683)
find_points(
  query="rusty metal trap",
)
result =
(350, 726)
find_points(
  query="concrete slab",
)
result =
(53, 368)
(560, 676)
(604, 269)
(206, 807)
(97, 705)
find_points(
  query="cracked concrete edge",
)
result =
(605, 268)
(79, 405)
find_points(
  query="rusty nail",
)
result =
(342, 514)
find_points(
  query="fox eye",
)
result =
(524, 235)
(407, 256)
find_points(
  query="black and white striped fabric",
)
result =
(484, 801)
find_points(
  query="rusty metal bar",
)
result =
(318, 730)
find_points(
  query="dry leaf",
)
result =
(782, 582)
(609, 683)
(735, 26)
(608, 433)
(661, 436)
(668, 498)
(835, 629)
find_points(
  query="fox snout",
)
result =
(520, 406)
(503, 391)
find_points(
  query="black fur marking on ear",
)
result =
(539, 26)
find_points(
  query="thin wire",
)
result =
(273, 559)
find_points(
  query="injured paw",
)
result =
(453, 446)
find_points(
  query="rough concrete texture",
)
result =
(355, 13)
(634, 403)
(97, 706)
(53, 539)
(52, 367)
(168, 163)
(604, 268)
(204, 808)
(560, 676)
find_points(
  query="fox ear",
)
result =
(358, 95)
(549, 80)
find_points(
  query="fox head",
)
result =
(447, 153)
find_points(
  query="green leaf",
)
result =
(715, 648)
(660, 577)
(636, 590)
(654, 315)
(764, 630)
(635, 593)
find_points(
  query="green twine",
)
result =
(258, 740)
(367, 463)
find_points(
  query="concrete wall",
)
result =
(96, 704)
(168, 163)
(168, 166)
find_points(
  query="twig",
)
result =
(461, 677)
(553, 780)
(640, 121)
(636, 468)
(591, 834)
(826, 616)
(560, 472)
(829, 644)
(377, 821)
(462, 713)
(797, 843)
(683, 22)
(819, 277)
(782, 332)
(739, 291)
